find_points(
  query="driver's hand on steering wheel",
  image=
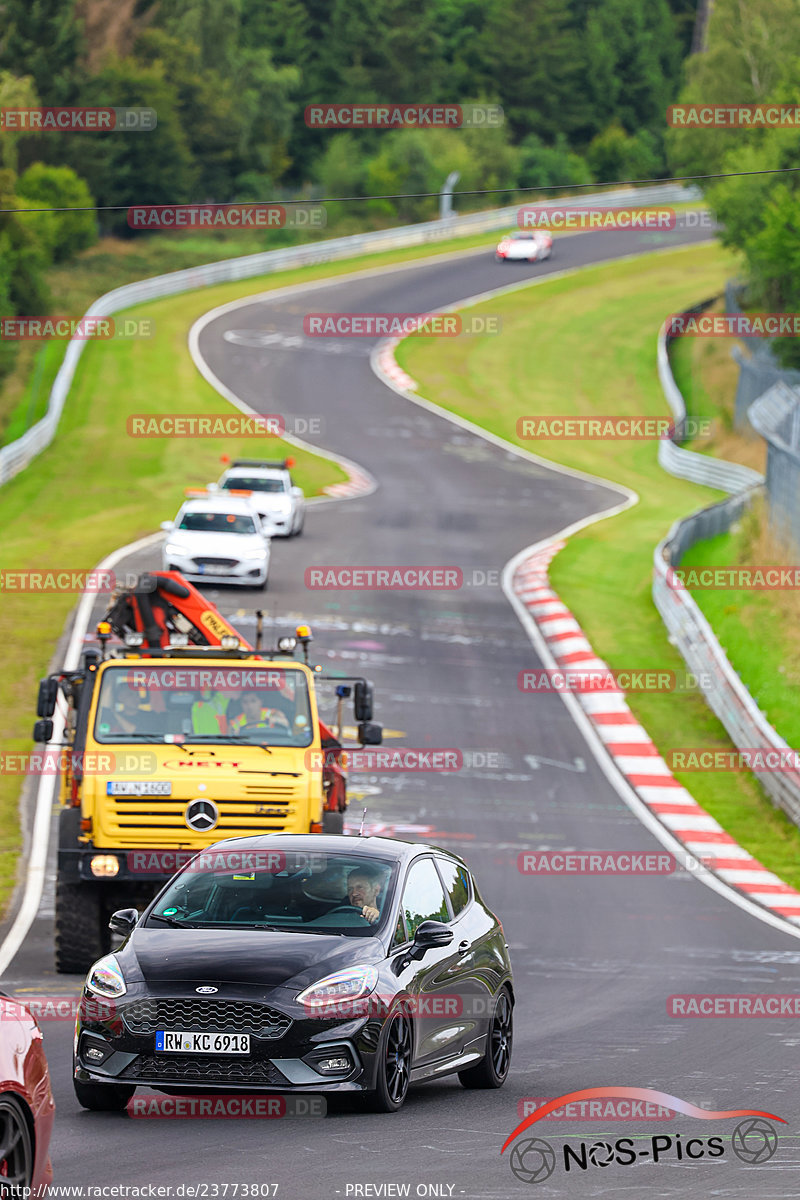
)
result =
(370, 914)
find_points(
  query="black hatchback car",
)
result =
(284, 963)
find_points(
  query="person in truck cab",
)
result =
(209, 712)
(131, 712)
(255, 714)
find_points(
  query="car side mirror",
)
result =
(43, 731)
(168, 526)
(123, 921)
(213, 487)
(296, 491)
(430, 934)
(370, 734)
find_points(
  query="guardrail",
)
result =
(689, 630)
(16, 455)
(686, 464)
(776, 416)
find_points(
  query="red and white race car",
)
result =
(525, 246)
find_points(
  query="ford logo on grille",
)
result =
(201, 815)
(206, 991)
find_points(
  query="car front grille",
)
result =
(216, 562)
(230, 1016)
(181, 1070)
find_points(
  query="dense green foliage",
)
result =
(583, 85)
(753, 57)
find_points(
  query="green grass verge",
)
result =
(582, 345)
(768, 666)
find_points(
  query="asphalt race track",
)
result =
(595, 958)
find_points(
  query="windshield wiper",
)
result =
(224, 739)
(169, 921)
(156, 738)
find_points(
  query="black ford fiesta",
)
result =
(285, 963)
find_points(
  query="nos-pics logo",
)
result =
(533, 1160)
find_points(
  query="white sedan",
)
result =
(280, 504)
(525, 246)
(218, 539)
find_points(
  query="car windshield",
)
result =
(278, 889)
(220, 702)
(254, 483)
(217, 522)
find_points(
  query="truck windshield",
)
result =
(257, 704)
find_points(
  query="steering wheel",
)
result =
(349, 908)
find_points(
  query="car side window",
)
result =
(456, 884)
(400, 938)
(423, 896)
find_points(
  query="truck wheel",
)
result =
(80, 936)
(332, 822)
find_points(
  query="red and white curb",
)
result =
(391, 368)
(630, 747)
(359, 483)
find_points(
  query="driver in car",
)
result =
(363, 886)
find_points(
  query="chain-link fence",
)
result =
(758, 367)
(776, 416)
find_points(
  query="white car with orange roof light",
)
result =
(525, 246)
(218, 538)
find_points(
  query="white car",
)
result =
(278, 502)
(525, 246)
(218, 538)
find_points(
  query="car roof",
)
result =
(224, 504)
(261, 472)
(320, 843)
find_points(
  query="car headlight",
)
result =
(256, 555)
(106, 979)
(351, 984)
(175, 548)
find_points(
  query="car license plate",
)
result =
(211, 1042)
(215, 569)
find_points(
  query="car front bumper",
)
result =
(247, 574)
(282, 1062)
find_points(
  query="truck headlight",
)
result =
(104, 865)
